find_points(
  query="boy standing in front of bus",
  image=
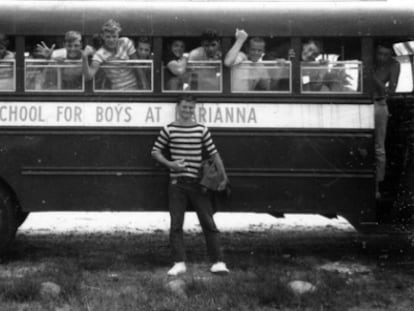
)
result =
(185, 140)
(385, 79)
(255, 77)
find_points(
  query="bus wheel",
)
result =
(8, 221)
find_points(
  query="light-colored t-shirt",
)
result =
(208, 79)
(72, 75)
(248, 77)
(122, 78)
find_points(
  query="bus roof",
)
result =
(190, 18)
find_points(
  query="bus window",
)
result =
(405, 52)
(114, 76)
(188, 68)
(264, 76)
(331, 77)
(260, 66)
(331, 66)
(200, 76)
(405, 80)
(7, 75)
(50, 75)
(7, 65)
(54, 64)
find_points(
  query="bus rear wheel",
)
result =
(8, 221)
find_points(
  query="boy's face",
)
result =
(309, 52)
(256, 50)
(211, 48)
(384, 54)
(73, 49)
(3, 50)
(185, 110)
(110, 39)
(143, 50)
(177, 48)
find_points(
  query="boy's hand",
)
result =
(241, 35)
(178, 165)
(44, 50)
(222, 186)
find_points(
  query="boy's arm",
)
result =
(140, 72)
(219, 162)
(89, 71)
(233, 53)
(177, 165)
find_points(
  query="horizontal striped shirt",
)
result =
(123, 77)
(185, 142)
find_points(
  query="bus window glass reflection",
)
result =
(50, 75)
(7, 65)
(264, 76)
(257, 65)
(327, 68)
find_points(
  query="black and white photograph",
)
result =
(206, 155)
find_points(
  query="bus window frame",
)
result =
(54, 64)
(164, 67)
(132, 61)
(13, 61)
(290, 91)
(360, 78)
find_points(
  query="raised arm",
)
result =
(89, 71)
(178, 67)
(233, 53)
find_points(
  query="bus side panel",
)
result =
(271, 170)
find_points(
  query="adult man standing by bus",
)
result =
(254, 77)
(385, 79)
(185, 140)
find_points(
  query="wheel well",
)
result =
(13, 196)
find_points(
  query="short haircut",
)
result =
(145, 40)
(209, 35)
(4, 40)
(385, 44)
(316, 43)
(257, 40)
(111, 26)
(187, 98)
(72, 36)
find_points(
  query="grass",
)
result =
(128, 272)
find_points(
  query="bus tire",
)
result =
(8, 221)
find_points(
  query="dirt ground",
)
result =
(118, 261)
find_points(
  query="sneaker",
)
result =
(178, 268)
(219, 268)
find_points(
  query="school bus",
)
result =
(287, 149)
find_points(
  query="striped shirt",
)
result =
(185, 142)
(122, 78)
